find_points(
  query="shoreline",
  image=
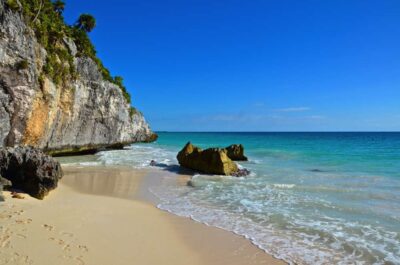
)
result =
(104, 215)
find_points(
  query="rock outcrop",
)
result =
(236, 152)
(30, 170)
(210, 161)
(242, 172)
(77, 114)
(4, 183)
(152, 138)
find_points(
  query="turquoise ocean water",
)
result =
(312, 198)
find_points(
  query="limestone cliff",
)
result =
(81, 113)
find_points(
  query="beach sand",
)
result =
(98, 216)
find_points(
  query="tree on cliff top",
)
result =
(86, 22)
(59, 6)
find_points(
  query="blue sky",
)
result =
(254, 65)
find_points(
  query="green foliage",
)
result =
(119, 81)
(46, 20)
(59, 65)
(50, 29)
(83, 43)
(13, 5)
(22, 65)
(86, 22)
(86, 48)
(133, 111)
(59, 6)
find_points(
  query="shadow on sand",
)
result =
(174, 169)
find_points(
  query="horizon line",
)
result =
(172, 131)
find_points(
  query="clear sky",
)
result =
(254, 65)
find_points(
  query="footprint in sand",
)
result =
(48, 227)
(26, 221)
(83, 248)
(5, 241)
(66, 256)
(66, 247)
(5, 215)
(21, 259)
(20, 212)
(58, 241)
(21, 235)
(80, 260)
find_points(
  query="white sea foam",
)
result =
(292, 246)
(268, 218)
(138, 156)
(273, 208)
(83, 164)
(284, 186)
(255, 161)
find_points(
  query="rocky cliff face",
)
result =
(84, 113)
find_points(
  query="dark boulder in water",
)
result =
(236, 152)
(210, 161)
(30, 170)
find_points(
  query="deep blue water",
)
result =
(312, 198)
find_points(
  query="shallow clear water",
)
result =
(312, 198)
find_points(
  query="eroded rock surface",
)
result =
(210, 161)
(80, 114)
(30, 170)
(236, 152)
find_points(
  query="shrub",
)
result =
(50, 29)
(119, 81)
(22, 65)
(86, 22)
(13, 5)
(59, 6)
(133, 111)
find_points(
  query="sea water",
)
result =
(312, 198)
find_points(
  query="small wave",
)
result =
(255, 161)
(84, 164)
(277, 220)
(137, 156)
(284, 186)
(289, 212)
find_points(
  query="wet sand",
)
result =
(103, 215)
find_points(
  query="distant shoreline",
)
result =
(277, 131)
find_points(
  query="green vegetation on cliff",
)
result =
(46, 20)
(86, 22)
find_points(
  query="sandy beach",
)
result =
(100, 216)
